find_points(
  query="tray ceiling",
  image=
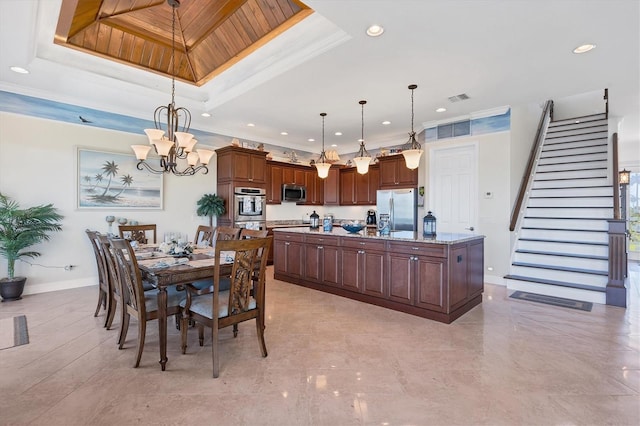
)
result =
(211, 35)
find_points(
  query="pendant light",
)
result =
(412, 149)
(363, 158)
(322, 165)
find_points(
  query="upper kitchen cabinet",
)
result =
(274, 182)
(315, 188)
(332, 187)
(357, 189)
(395, 174)
(293, 174)
(242, 165)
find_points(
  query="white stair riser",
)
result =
(590, 119)
(572, 202)
(597, 148)
(555, 127)
(583, 192)
(564, 247)
(560, 147)
(549, 159)
(580, 183)
(564, 276)
(571, 174)
(557, 291)
(570, 262)
(578, 236)
(594, 213)
(552, 139)
(581, 165)
(581, 224)
(555, 132)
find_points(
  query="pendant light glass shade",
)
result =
(363, 159)
(322, 165)
(412, 150)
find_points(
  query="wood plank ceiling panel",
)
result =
(211, 35)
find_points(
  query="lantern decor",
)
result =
(429, 226)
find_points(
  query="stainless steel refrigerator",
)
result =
(402, 207)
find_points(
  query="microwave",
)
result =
(296, 193)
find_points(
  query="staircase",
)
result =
(562, 244)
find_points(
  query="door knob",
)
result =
(470, 228)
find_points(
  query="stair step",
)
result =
(546, 240)
(560, 273)
(579, 163)
(576, 202)
(597, 295)
(556, 283)
(560, 176)
(555, 132)
(561, 268)
(549, 253)
(575, 235)
(581, 119)
(571, 247)
(553, 126)
(597, 154)
(587, 225)
(575, 183)
(578, 137)
(570, 213)
(572, 261)
(589, 191)
(585, 143)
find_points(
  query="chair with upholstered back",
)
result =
(244, 300)
(139, 233)
(138, 303)
(204, 233)
(104, 290)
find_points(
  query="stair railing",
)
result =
(545, 118)
(616, 186)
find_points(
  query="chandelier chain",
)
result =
(173, 56)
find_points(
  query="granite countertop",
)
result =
(441, 238)
(296, 223)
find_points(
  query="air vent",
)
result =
(460, 97)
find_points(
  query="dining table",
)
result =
(164, 271)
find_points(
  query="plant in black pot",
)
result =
(210, 205)
(19, 230)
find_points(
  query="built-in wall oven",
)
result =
(250, 208)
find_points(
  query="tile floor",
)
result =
(332, 361)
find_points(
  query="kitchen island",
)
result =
(438, 278)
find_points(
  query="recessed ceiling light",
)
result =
(251, 125)
(441, 109)
(284, 133)
(386, 122)
(311, 140)
(584, 48)
(375, 31)
(333, 145)
(20, 70)
(338, 133)
(206, 114)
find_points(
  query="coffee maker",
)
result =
(371, 217)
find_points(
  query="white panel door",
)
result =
(453, 179)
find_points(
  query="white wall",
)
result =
(37, 166)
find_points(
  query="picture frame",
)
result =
(110, 180)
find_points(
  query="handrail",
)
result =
(524, 183)
(616, 187)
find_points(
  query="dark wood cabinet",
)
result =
(331, 187)
(315, 188)
(357, 189)
(246, 166)
(274, 183)
(395, 174)
(432, 280)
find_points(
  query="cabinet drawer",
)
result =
(326, 240)
(363, 243)
(433, 250)
(285, 236)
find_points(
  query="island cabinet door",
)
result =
(331, 266)
(373, 281)
(431, 283)
(288, 256)
(313, 262)
(400, 278)
(351, 269)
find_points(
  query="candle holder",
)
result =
(110, 220)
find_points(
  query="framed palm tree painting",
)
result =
(111, 180)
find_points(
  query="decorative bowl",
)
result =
(352, 227)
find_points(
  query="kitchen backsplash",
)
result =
(290, 211)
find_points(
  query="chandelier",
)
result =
(322, 165)
(363, 158)
(412, 149)
(176, 144)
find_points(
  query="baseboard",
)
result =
(59, 285)
(495, 279)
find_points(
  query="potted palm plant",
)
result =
(19, 230)
(210, 205)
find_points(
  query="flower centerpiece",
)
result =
(176, 248)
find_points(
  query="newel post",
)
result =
(616, 290)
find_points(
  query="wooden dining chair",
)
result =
(243, 301)
(224, 233)
(139, 233)
(204, 233)
(220, 233)
(105, 298)
(143, 305)
(246, 234)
